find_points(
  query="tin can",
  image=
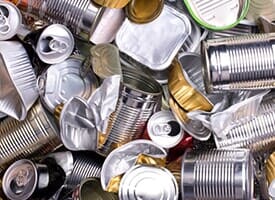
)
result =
(164, 130)
(148, 182)
(210, 14)
(25, 179)
(217, 174)
(140, 97)
(38, 135)
(62, 81)
(247, 63)
(142, 11)
(55, 44)
(90, 188)
(11, 20)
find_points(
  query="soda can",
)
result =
(90, 188)
(139, 98)
(217, 174)
(25, 179)
(55, 44)
(148, 182)
(164, 130)
(142, 11)
(62, 81)
(210, 14)
(11, 20)
(237, 70)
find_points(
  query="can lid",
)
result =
(144, 11)
(148, 182)
(55, 44)
(164, 130)
(10, 20)
(20, 180)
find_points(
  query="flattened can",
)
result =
(90, 189)
(148, 182)
(164, 130)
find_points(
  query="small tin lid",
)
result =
(112, 3)
(144, 11)
(55, 44)
(148, 182)
(63, 81)
(142, 41)
(164, 130)
(10, 20)
(20, 180)
(210, 14)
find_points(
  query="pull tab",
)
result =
(58, 45)
(4, 25)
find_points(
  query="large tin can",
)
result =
(140, 97)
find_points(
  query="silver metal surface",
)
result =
(261, 8)
(63, 81)
(257, 134)
(139, 98)
(148, 182)
(55, 44)
(36, 135)
(10, 20)
(106, 25)
(239, 63)
(85, 165)
(123, 158)
(20, 180)
(151, 44)
(18, 80)
(216, 175)
(164, 130)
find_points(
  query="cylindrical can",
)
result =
(164, 130)
(140, 97)
(217, 174)
(90, 189)
(25, 179)
(85, 165)
(36, 135)
(239, 63)
(257, 134)
(148, 182)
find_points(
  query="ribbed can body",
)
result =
(84, 166)
(245, 62)
(140, 97)
(257, 134)
(36, 135)
(217, 174)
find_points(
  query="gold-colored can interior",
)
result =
(112, 3)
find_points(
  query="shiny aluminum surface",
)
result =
(10, 20)
(63, 81)
(151, 44)
(148, 182)
(239, 63)
(123, 158)
(210, 14)
(164, 130)
(55, 44)
(18, 80)
(139, 98)
(217, 174)
(20, 180)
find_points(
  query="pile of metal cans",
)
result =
(137, 99)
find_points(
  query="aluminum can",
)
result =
(164, 130)
(90, 188)
(148, 182)
(36, 135)
(140, 97)
(55, 44)
(217, 174)
(239, 63)
(11, 20)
